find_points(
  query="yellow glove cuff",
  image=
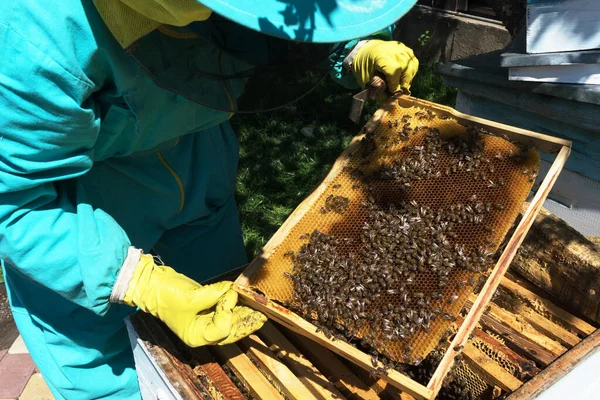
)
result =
(141, 279)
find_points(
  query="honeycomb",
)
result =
(499, 357)
(464, 376)
(507, 181)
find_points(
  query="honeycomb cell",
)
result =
(499, 183)
(464, 376)
(498, 357)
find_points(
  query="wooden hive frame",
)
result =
(274, 362)
(294, 322)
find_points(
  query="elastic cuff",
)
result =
(125, 274)
(347, 63)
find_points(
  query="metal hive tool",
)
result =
(498, 186)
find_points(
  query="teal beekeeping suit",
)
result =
(96, 157)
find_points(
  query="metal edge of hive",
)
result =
(177, 374)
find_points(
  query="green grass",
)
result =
(279, 166)
(429, 85)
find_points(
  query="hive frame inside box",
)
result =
(542, 143)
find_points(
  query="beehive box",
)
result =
(526, 340)
(498, 187)
(565, 25)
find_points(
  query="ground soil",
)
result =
(8, 330)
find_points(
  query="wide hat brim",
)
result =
(318, 21)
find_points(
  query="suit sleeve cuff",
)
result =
(125, 274)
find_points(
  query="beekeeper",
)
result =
(115, 146)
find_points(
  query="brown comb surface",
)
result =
(504, 180)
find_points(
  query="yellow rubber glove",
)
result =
(393, 60)
(187, 307)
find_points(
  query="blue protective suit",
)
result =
(95, 157)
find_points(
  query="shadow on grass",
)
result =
(279, 165)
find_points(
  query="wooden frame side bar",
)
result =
(573, 322)
(297, 324)
(498, 272)
(282, 377)
(290, 356)
(246, 372)
(335, 370)
(489, 370)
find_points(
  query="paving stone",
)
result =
(15, 371)
(36, 389)
(18, 347)
(2, 353)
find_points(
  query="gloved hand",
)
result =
(393, 60)
(187, 307)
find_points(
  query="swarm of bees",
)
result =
(349, 293)
(455, 387)
(338, 204)
(373, 294)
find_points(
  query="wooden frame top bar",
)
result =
(543, 143)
